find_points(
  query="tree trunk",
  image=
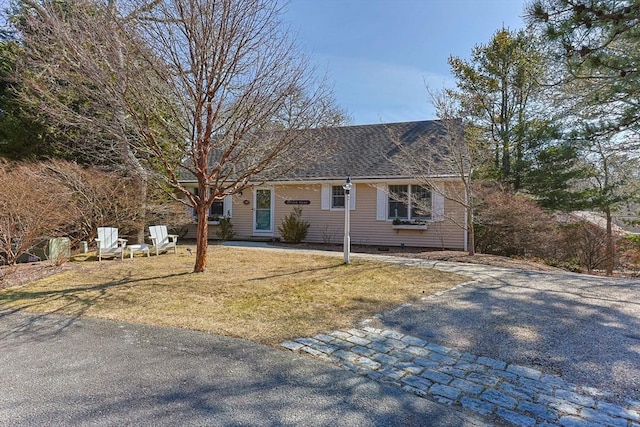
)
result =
(506, 160)
(202, 239)
(472, 241)
(610, 255)
(141, 176)
(470, 217)
(142, 184)
(144, 189)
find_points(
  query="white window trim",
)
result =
(437, 207)
(227, 206)
(382, 204)
(326, 197)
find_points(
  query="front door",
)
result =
(263, 216)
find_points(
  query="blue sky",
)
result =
(380, 53)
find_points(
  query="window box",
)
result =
(420, 227)
(210, 220)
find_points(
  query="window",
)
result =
(337, 197)
(219, 208)
(398, 201)
(332, 197)
(420, 202)
(409, 202)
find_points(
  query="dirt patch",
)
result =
(21, 274)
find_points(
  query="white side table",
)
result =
(138, 248)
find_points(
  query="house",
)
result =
(387, 205)
(623, 224)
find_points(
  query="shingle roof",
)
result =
(368, 151)
(363, 151)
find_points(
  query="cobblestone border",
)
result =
(520, 395)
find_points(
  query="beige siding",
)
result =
(327, 226)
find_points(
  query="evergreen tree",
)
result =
(598, 41)
(22, 136)
(500, 89)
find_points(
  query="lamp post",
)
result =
(347, 202)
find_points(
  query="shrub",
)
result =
(293, 228)
(584, 244)
(33, 209)
(103, 198)
(106, 198)
(629, 249)
(225, 229)
(514, 225)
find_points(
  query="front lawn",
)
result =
(266, 296)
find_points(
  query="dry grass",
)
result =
(259, 295)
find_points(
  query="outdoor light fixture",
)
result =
(347, 203)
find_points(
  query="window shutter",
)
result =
(325, 197)
(438, 206)
(352, 198)
(381, 202)
(227, 204)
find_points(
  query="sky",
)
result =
(381, 54)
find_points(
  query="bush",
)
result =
(629, 248)
(33, 209)
(41, 200)
(225, 229)
(106, 198)
(584, 244)
(103, 198)
(511, 224)
(293, 228)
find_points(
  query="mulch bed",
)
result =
(22, 274)
(432, 254)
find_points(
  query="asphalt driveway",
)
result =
(68, 371)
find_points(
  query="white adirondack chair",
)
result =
(109, 244)
(161, 240)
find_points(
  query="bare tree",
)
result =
(608, 155)
(32, 210)
(80, 69)
(204, 81)
(455, 155)
(106, 197)
(613, 181)
(232, 69)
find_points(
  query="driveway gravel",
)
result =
(583, 328)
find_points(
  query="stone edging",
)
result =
(520, 395)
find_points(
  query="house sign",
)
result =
(297, 202)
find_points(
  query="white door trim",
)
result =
(261, 232)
